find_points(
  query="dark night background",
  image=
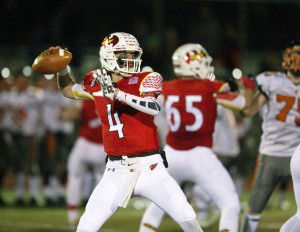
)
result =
(257, 28)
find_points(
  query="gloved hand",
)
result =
(248, 82)
(104, 80)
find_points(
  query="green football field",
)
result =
(43, 219)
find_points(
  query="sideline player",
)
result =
(126, 104)
(190, 107)
(278, 97)
(54, 142)
(87, 152)
(230, 127)
(24, 101)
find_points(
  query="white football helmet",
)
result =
(120, 42)
(192, 60)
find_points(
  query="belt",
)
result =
(113, 158)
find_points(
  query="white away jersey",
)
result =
(226, 134)
(24, 110)
(280, 135)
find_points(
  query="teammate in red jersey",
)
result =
(190, 108)
(126, 104)
(87, 153)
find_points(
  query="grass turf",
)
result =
(43, 219)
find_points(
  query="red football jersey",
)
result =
(90, 127)
(191, 111)
(126, 131)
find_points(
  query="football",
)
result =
(52, 61)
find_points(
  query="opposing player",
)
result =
(87, 152)
(126, 104)
(278, 98)
(190, 107)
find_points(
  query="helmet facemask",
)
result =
(128, 62)
(120, 53)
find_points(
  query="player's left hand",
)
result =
(104, 79)
(248, 82)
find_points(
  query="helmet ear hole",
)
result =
(124, 43)
(192, 60)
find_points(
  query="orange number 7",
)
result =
(289, 102)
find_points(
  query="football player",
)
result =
(126, 102)
(87, 152)
(190, 108)
(278, 98)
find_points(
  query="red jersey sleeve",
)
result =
(152, 82)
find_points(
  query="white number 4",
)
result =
(114, 127)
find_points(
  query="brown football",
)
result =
(52, 61)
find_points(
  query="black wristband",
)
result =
(64, 81)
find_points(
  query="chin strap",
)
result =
(148, 105)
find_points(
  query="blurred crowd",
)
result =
(35, 140)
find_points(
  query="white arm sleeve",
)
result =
(148, 105)
(79, 93)
(231, 100)
(162, 122)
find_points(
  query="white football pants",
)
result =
(201, 166)
(83, 154)
(153, 182)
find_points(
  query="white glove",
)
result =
(105, 81)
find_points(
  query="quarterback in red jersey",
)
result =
(190, 103)
(139, 135)
(126, 102)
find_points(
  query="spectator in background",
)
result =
(5, 141)
(24, 101)
(55, 143)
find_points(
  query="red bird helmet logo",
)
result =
(110, 40)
